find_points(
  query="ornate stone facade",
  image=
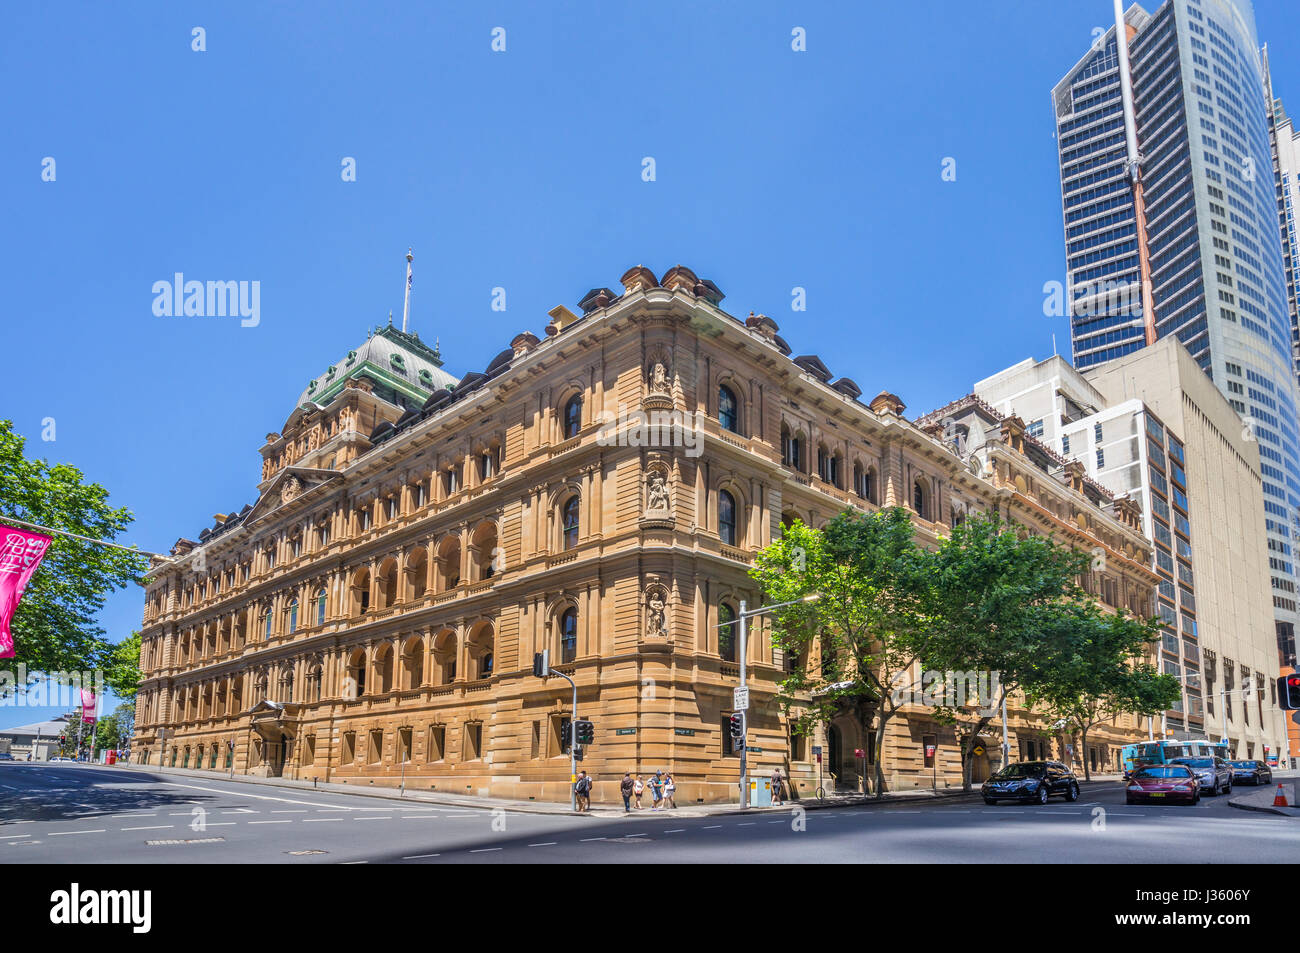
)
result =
(372, 618)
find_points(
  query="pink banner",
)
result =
(20, 553)
(88, 705)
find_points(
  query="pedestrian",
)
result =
(638, 787)
(625, 789)
(583, 790)
(777, 796)
(670, 786)
(657, 790)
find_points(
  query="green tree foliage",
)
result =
(122, 673)
(115, 730)
(994, 592)
(864, 569)
(1098, 668)
(54, 626)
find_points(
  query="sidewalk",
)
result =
(912, 796)
(1261, 799)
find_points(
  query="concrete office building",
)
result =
(1172, 227)
(1152, 427)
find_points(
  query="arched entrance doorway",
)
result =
(979, 762)
(842, 739)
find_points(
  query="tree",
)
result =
(992, 592)
(114, 731)
(122, 673)
(863, 569)
(54, 626)
(1098, 669)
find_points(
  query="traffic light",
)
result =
(586, 732)
(1288, 691)
(738, 728)
(542, 663)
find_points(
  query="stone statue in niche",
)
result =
(657, 492)
(659, 378)
(656, 613)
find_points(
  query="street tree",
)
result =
(1099, 668)
(992, 590)
(54, 626)
(863, 623)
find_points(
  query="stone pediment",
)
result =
(287, 486)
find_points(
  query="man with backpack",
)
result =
(625, 789)
(583, 790)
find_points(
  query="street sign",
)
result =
(929, 751)
(740, 698)
(979, 749)
(859, 753)
(817, 750)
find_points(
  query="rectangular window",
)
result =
(403, 745)
(308, 752)
(375, 753)
(1101, 458)
(349, 753)
(473, 735)
(1065, 443)
(1096, 432)
(437, 739)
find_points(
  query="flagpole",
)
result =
(406, 305)
(84, 539)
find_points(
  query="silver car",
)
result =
(1215, 774)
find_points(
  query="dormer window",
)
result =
(398, 363)
(426, 379)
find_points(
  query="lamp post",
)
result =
(742, 621)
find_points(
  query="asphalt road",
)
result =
(69, 813)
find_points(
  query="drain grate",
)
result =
(178, 842)
(300, 853)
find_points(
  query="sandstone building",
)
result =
(372, 617)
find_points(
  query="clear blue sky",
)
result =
(775, 169)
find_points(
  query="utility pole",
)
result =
(542, 668)
(744, 715)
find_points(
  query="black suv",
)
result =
(1031, 781)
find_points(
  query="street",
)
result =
(72, 813)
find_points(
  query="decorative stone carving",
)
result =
(656, 611)
(658, 501)
(291, 489)
(659, 378)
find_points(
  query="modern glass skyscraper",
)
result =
(1176, 230)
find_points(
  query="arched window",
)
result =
(869, 485)
(727, 517)
(320, 607)
(485, 665)
(569, 522)
(791, 449)
(573, 416)
(918, 500)
(726, 632)
(727, 409)
(266, 624)
(293, 616)
(569, 635)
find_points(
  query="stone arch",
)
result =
(359, 592)
(444, 648)
(416, 572)
(447, 573)
(383, 669)
(483, 551)
(480, 647)
(386, 591)
(412, 663)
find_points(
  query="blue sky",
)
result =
(520, 169)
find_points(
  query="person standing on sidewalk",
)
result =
(638, 787)
(583, 790)
(625, 789)
(670, 788)
(777, 796)
(657, 790)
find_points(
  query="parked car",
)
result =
(59, 757)
(1214, 774)
(1250, 772)
(1031, 781)
(6, 756)
(1163, 782)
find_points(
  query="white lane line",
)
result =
(712, 827)
(221, 823)
(270, 822)
(484, 850)
(347, 863)
(242, 810)
(62, 833)
(300, 810)
(776, 822)
(257, 797)
(675, 830)
(636, 835)
(123, 817)
(416, 817)
(585, 839)
(154, 827)
(321, 820)
(418, 856)
(372, 818)
(13, 836)
(747, 823)
(549, 843)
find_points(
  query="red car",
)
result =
(1163, 782)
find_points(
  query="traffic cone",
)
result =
(1279, 799)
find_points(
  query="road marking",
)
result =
(747, 823)
(776, 822)
(585, 839)
(220, 823)
(549, 843)
(154, 827)
(120, 817)
(242, 810)
(675, 830)
(301, 810)
(12, 836)
(270, 822)
(372, 818)
(418, 856)
(256, 797)
(712, 827)
(350, 862)
(321, 820)
(486, 850)
(416, 817)
(62, 833)
(636, 835)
